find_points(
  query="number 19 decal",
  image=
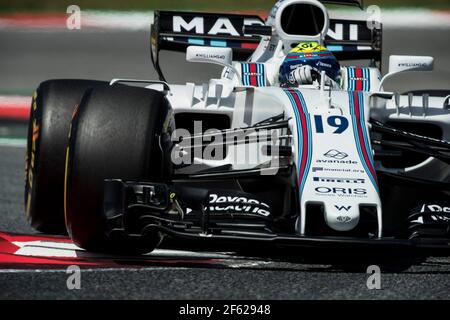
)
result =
(339, 123)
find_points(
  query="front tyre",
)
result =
(114, 135)
(51, 112)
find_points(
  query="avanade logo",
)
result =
(336, 156)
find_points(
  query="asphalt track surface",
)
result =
(26, 58)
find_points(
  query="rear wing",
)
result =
(175, 31)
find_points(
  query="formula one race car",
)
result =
(287, 148)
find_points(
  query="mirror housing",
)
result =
(447, 102)
(398, 64)
(220, 56)
(212, 55)
(410, 63)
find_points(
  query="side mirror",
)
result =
(220, 56)
(410, 63)
(213, 55)
(398, 64)
(447, 102)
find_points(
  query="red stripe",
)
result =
(15, 113)
(253, 77)
(6, 259)
(34, 19)
(25, 238)
(9, 256)
(325, 54)
(15, 108)
(359, 82)
(248, 45)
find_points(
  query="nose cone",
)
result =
(342, 217)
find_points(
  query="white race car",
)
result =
(285, 148)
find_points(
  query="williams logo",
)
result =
(343, 208)
(210, 56)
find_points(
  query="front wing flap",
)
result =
(135, 209)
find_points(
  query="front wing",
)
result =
(136, 209)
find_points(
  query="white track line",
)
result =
(40, 249)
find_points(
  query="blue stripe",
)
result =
(364, 77)
(366, 84)
(263, 72)
(335, 48)
(247, 70)
(218, 43)
(368, 80)
(244, 74)
(196, 41)
(363, 71)
(351, 79)
(258, 78)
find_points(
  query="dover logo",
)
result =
(434, 208)
(237, 204)
(336, 154)
(344, 219)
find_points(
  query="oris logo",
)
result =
(341, 191)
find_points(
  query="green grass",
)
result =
(61, 5)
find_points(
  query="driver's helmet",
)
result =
(312, 54)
